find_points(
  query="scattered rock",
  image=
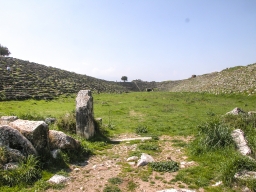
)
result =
(236, 111)
(55, 153)
(217, 184)
(76, 169)
(241, 143)
(133, 158)
(131, 163)
(58, 179)
(59, 140)
(49, 120)
(244, 175)
(5, 120)
(14, 155)
(177, 190)
(9, 166)
(36, 132)
(251, 113)
(12, 138)
(187, 164)
(145, 159)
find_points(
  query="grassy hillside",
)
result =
(240, 79)
(31, 80)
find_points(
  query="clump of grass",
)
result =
(131, 186)
(164, 166)
(111, 188)
(149, 146)
(115, 180)
(30, 116)
(212, 135)
(234, 165)
(26, 173)
(141, 129)
(3, 155)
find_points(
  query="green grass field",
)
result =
(156, 114)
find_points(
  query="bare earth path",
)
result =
(93, 174)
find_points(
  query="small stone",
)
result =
(133, 158)
(131, 163)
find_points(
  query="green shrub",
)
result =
(165, 166)
(67, 123)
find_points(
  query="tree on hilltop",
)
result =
(4, 51)
(124, 78)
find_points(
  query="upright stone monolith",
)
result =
(84, 114)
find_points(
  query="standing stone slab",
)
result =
(84, 114)
(37, 132)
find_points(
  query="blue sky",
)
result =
(151, 40)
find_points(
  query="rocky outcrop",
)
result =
(36, 132)
(59, 140)
(13, 139)
(84, 114)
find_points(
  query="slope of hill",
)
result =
(25, 80)
(240, 79)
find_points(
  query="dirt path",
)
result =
(93, 174)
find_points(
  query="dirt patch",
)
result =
(93, 174)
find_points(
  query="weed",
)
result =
(111, 188)
(235, 164)
(115, 180)
(141, 129)
(164, 166)
(149, 146)
(27, 172)
(212, 135)
(131, 186)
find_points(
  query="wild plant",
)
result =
(27, 172)
(211, 135)
(164, 166)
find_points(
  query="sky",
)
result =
(151, 40)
